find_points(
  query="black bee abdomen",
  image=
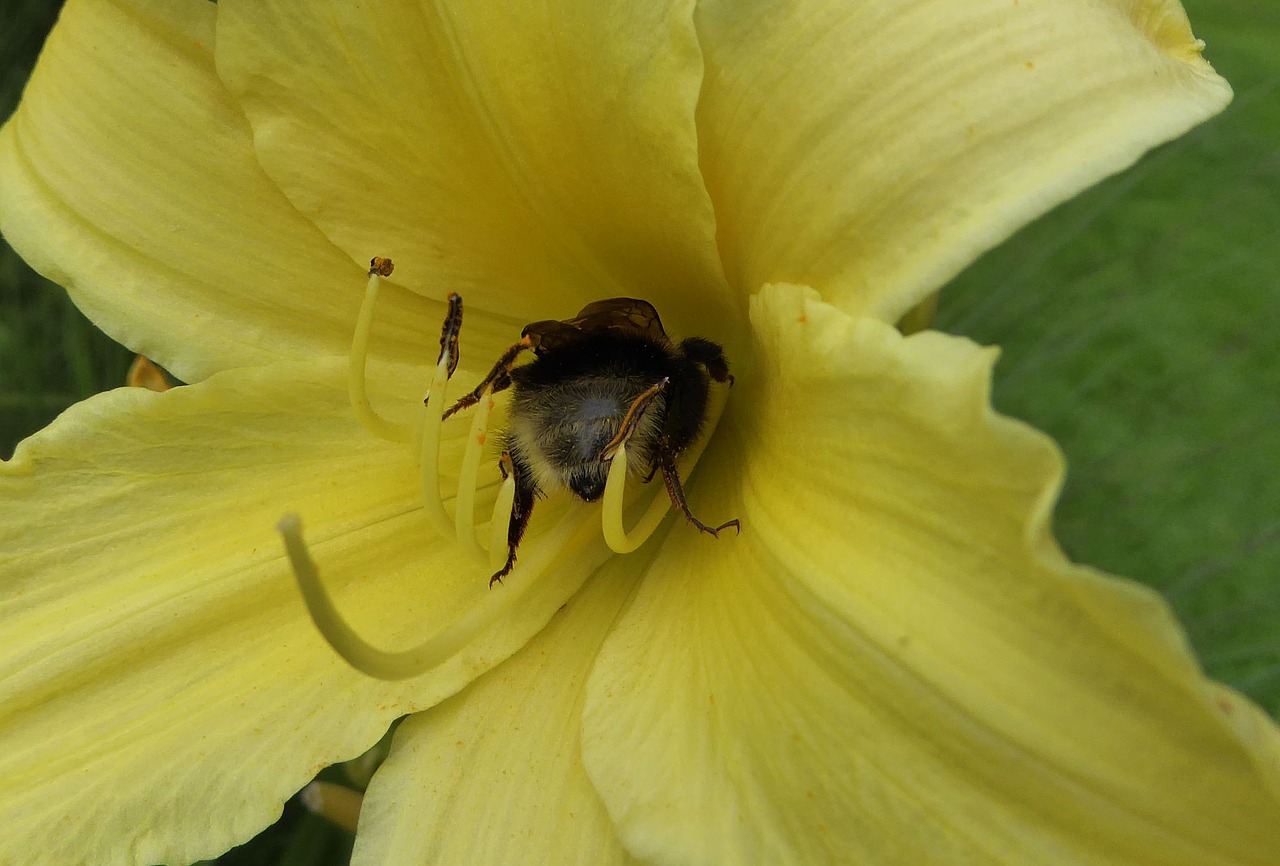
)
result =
(686, 405)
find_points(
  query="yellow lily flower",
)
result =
(893, 663)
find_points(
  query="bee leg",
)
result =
(709, 355)
(671, 475)
(521, 508)
(632, 419)
(499, 377)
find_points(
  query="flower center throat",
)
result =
(692, 367)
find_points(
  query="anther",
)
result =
(433, 418)
(357, 360)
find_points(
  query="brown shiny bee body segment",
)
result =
(606, 378)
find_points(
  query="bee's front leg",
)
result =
(521, 509)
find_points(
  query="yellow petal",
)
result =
(533, 157)
(494, 775)
(163, 688)
(872, 150)
(894, 663)
(128, 176)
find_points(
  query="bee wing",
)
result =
(622, 314)
(549, 334)
(613, 314)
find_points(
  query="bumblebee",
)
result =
(607, 378)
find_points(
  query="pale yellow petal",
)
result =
(533, 157)
(494, 774)
(893, 663)
(128, 176)
(163, 688)
(872, 150)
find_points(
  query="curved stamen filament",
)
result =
(498, 526)
(611, 507)
(429, 456)
(560, 542)
(358, 359)
(464, 515)
(615, 535)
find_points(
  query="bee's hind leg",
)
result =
(675, 489)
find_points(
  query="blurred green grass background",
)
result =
(1140, 328)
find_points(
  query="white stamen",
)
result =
(464, 516)
(615, 489)
(356, 363)
(429, 456)
(498, 526)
